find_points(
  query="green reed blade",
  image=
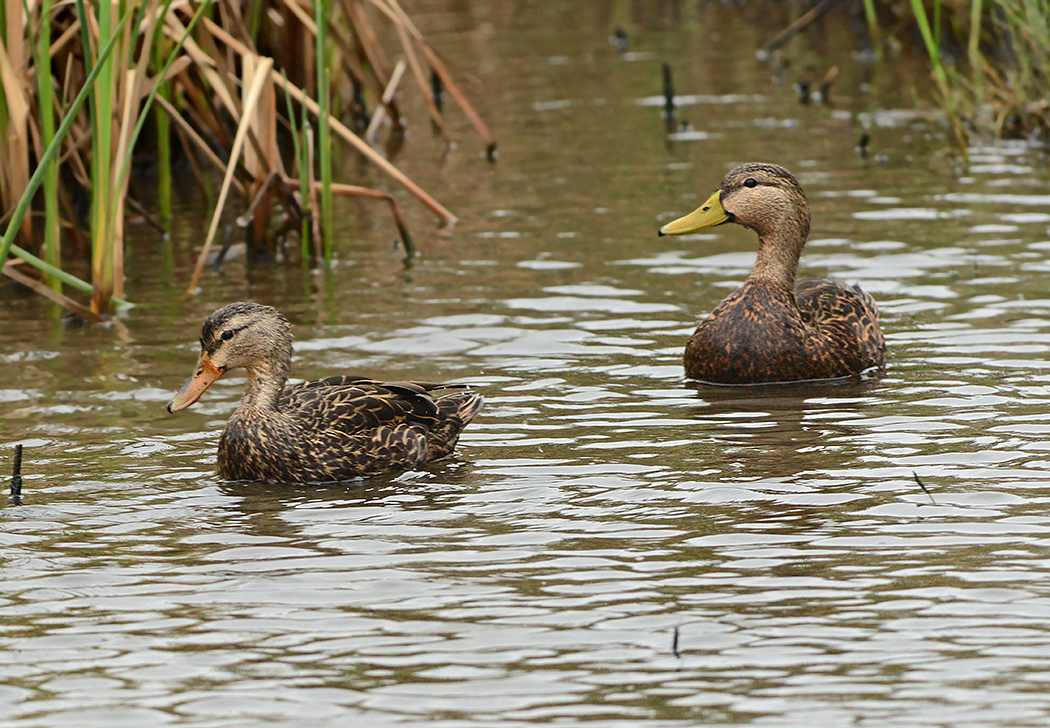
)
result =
(873, 27)
(101, 159)
(162, 127)
(45, 102)
(973, 47)
(7, 243)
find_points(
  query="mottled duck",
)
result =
(775, 328)
(324, 430)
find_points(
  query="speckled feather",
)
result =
(774, 328)
(331, 429)
(760, 333)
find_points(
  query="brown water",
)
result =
(599, 503)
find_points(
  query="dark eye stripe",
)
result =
(226, 335)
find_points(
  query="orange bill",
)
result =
(203, 377)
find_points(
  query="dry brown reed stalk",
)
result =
(208, 71)
(401, 18)
(261, 78)
(13, 270)
(388, 95)
(345, 133)
(14, 161)
(262, 158)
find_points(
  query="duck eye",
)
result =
(227, 334)
(750, 182)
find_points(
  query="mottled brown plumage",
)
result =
(774, 328)
(331, 429)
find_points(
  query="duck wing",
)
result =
(352, 405)
(844, 321)
(394, 416)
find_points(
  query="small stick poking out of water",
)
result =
(863, 145)
(437, 90)
(825, 85)
(802, 89)
(16, 475)
(674, 643)
(924, 489)
(669, 109)
(620, 40)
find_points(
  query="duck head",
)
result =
(763, 197)
(241, 335)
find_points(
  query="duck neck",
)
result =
(780, 242)
(266, 380)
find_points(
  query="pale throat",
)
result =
(780, 243)
(265, 383)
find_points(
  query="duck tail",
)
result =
(455, 411)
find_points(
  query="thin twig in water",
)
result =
(785, 35)
(669, 108)
(146, 215)
(674, 643)
(923, 486)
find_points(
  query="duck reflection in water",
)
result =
(778, 432)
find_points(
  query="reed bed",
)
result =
(81, 80)
(989, 58)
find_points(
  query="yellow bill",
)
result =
(707, 215)
(203, 377)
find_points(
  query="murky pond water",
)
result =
(600, 503)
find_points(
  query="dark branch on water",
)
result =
(923, 486)
(669, 109)
(16, 475)
(674, 643)
(785, 35)
(437, 90)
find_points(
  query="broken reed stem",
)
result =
(400, 17)
(923, 486)
(191, 135)
(12, 272)
(370, 194)
(17, 471)
(388, 94)
(785, 35)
